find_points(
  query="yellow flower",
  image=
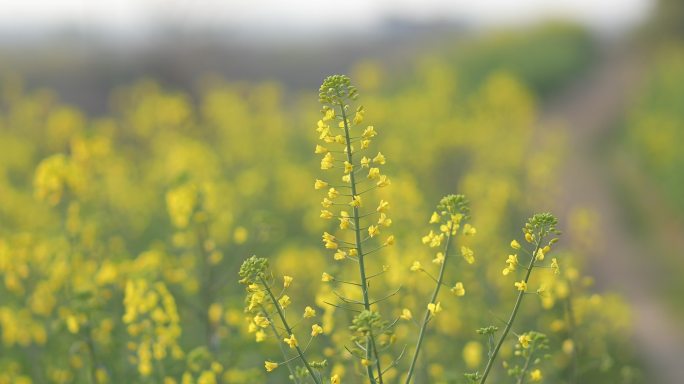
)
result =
(309, 312)
(345, 220)
(284, 301)
(291, 341)
(546, 249)
(316, 330)
(326, 203)
(439, 258)
(320, 149)
(540, 255)
(383, 206)
(373, 173)
(287, 280)
(325, 214)
(416, 266)
(346, 179)
(269, 365)
(348, 167)
(332, 193)
(260, 336)
(326, 277)
(529, 237)
(469, 230)
(365, 162)
(261, 321)
(521, 285)
(366, 362)
(536, 375)
(384, 220)
(379, 159)
(327, 161)
(353, 252)
(335, 379)
(320, 184)
(524, 340)
(368, 132)
(383, 182)
(515, 244)
(356, 201)
(406, 314)
(554, 266)
(468, 254)
(340, 255)
(389, 240)
(434, 218)
(458, 289)
(434, 308)
(512, 262)
(373, 231)
(364, 144)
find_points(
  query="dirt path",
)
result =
(589, 110)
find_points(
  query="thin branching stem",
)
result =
(511, 319)
(426, 318)
(357, 233)
(289, 331)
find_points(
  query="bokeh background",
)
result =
(148, 147)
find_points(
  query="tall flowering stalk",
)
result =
(451, 214)
(536, 231)
(344, 142)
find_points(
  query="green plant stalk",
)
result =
(357, 233)
(521, 378)
(511, 319)
(280, 345)
(289, 331)
(377, 358)
(426, 318)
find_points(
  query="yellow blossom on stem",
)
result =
(320, 149)
(469, 230)
(270, 366)
(287, 280)
(326, 203)
(326, 277)
(524, 340)
(439, 258)
(348, 167)
(458, 289)
(340, 255)
(554, 266)
(335, 379)
(515, 244)
(406, 314)
(383, 206)
(356, 201)
(369, 132)
(309, 312)
(365, 162)
(434, 308)
(364, 144)
(384, 220)
(383, 181)
(521, 285)
(320, 184)
(416, 266)
(379, 159)
(529, 237)
(327, 161)
(325, 214)
(373, 231)
(260, 336)
(373, 173)
(468, 254)
(261, 321)
(291, 341)
(316, 330)
(389, 240)
(333, 193)
(434, 219)
(540, 255)
(536, 375)
(284, 301)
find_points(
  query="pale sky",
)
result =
(273, 15)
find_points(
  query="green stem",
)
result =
(521, 378)
(514, 313)
(357, 233)
(282, 348)
(423, 327)
(377, 358)
(289, 331)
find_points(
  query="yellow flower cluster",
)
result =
(152, 318)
